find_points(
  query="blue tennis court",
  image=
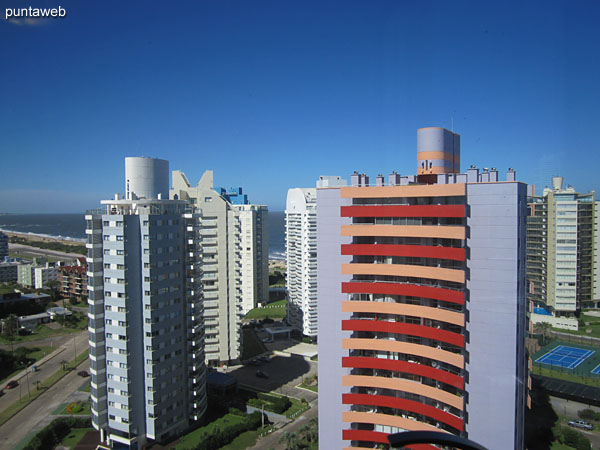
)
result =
(596, 370)
(567, 357)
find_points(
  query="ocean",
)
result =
(72, 227)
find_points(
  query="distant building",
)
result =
(219, 237)
(254, 239)
(148, 375)
(3, 245)
(37, 276)
(419, 276)
(301, 255)
(73, 280)
(563, 248)
(8, 272)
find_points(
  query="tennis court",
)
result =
(596, 370)
(567, 357)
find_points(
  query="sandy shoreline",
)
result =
(274, 264)
(37, 238)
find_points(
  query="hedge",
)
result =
(52, 434)
(221, 437)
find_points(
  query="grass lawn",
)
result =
(85, 387)
(297, 405)
(275, 310)
(252, 345)
(78, 409)
(558, 446)
(245, 440)
(41, 332)
(310, 388)
(192, 439)
(74, 437)
(593, 327)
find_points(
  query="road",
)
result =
(73, 344)
(38, 413)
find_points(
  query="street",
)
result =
(72, 345)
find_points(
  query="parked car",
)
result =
(581, 424)
(265, 358)
(261, 374)
(12, 384)
(254, 362)
(83, 373)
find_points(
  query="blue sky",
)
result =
(270, 95)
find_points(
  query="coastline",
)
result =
(275, 263)
(33, 237)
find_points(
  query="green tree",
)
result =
(10, 325)
(545, 329)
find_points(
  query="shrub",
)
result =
(588, 414)
(55, 432)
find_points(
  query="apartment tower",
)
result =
(422, 303)
(221, 268)
(301, 255)
(562, 254)
(145, 309)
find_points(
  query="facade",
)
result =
(37, 275)
(301, 255)
(254, 240)
(148, 375)
(562, 253)
(3, 245)
(8, 272)
(221, 267)
(73, 280)
(422, 303)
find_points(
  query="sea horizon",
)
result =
(71, 227)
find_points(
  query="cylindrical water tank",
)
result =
(146, 178)
(438, 151)
(557, 183)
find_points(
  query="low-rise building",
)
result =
(73, 280)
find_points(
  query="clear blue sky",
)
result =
(270, 95)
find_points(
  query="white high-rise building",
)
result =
(221, 268)
(255, 254)
(148, 375)
(301, 255)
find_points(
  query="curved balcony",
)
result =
(403, 385)
(405, 405)
(404, 309)
(405, 329)
(424, 351)
(431, 231)
(412, 290)
(416, 251)
(364, 362)
(405, 270)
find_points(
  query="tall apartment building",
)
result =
(254, 239)
(148, 374)
(422, 303)
(562, 252)
(3, 245)
(221, 269)
(301, 255)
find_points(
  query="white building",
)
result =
(148, 375)
(222, 275)
(36, 275)
(301, 255)
(255, 255)
(562, 253)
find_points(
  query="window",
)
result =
(119, 238)
(120, 252)
(207, 199)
